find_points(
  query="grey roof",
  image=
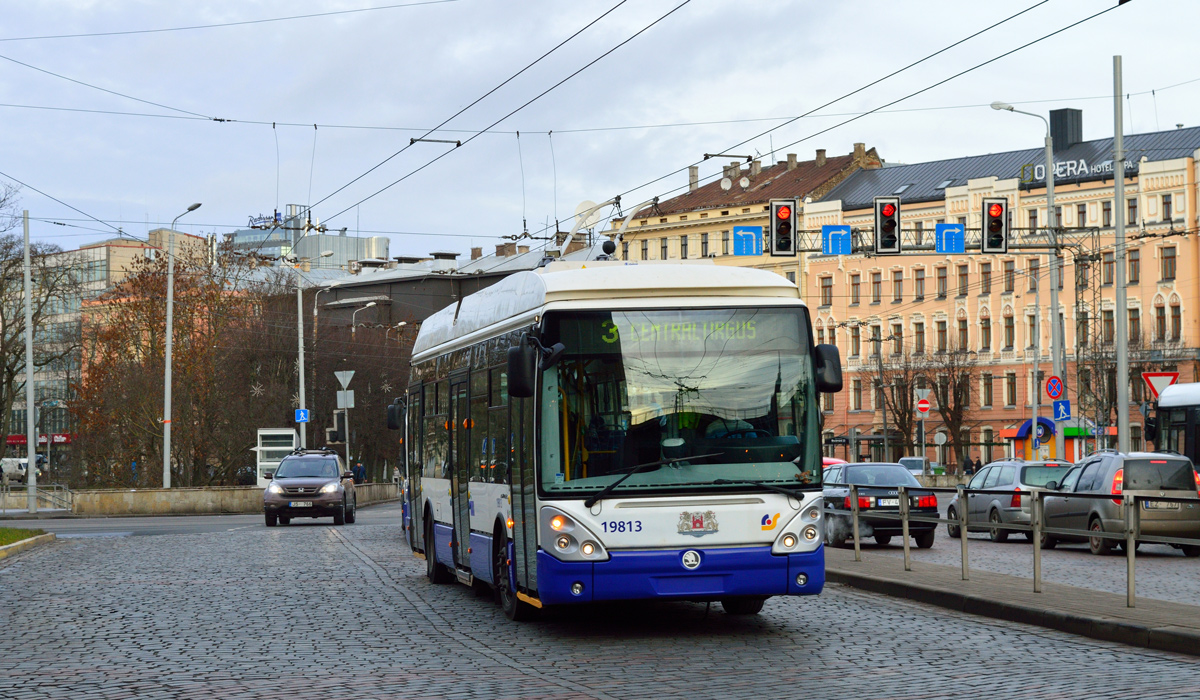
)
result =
(927, 181)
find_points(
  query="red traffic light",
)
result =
(783, 212)
(995, 210)
(889, 209)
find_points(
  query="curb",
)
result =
(22, 515)
(38, 516)
(16, 547)
(1167, 638)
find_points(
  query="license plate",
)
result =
(881, 502)
(1160, 505)
(301, 504)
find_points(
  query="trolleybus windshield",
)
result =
(730, 388)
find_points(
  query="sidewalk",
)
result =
(42, 514)
(1153, 624)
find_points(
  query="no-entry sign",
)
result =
(923, 406)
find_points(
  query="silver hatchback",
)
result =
(1004, 509)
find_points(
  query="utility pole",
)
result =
(1122, 310)
(167, 359)
(878, 339)
(30, 409)
(1036, 385)
(300, 367)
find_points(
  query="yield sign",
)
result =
(923, 406)
(1158, 381)
(344, 377)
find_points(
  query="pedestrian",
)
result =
(978, 465)
(360, 473)
(967, 466)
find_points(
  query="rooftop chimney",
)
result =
(444, 261)
(522, 249)
(791, 161)
(755, 168)
(860, 151)
(820, 157)
(693, 178)
(1066, 128)
(476, 253)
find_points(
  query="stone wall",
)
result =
(182, 501)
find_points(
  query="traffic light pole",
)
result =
(1056, 339)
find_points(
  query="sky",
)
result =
(700, 78)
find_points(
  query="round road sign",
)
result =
(923, 406)
(1054, 388)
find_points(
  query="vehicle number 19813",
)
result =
(622, 526)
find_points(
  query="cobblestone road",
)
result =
(317, 611)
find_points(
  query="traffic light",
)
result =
(783, 227)
(995, 225)
(887, 225)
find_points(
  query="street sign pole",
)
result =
(344, 377)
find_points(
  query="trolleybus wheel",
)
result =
(433, 570)
(743, 606)
(514, 608)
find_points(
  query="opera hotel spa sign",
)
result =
(1073, 170)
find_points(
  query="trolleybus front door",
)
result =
(460, 414)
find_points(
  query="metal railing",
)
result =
(53, 496)
(1130, 514)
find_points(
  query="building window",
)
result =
(897, 285)
(918, 232)
(1010, 275)
(1135, 326)
(1081, 215)
(1106, 213)
(791, 277)
(1109, 332)
(1010, 389)
(856, 395)
(986, 436)
(820, 336)
(1108, 268)
(662, 254)
(1168, 263)
(1160, 323)
(1058, 217)
(919, 283)
(962, 221)
(1131, 207)
(876, 340)
(986, 394)
(985, 335)
(1081, 329)
(919, 338)
(1135, 438)
(963, 280)
(963, 341)
(1033, 329)
(941, 336)
(941, 282)
(832, 335)
(1010, 331)
(683, 246)
(724, 243)
(878, 394)
(854, 289)
(1135, 266)
(1176, 321)
(704, 245)
(826, 291)
(1166, 207)
(646, 249)
(897, 339)
(827, 407)
(876, 287)
(985, 278)
(1032, 220)
(625, 250)
(1034, 272)
(855, 341)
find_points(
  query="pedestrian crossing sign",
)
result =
(1062, 410)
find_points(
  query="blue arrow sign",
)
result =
(1062, 410)
(747, 240)
(301, 415)
(949, 238)
(835, 240)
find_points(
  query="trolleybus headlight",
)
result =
(810, 533)
(563, 542)
(558, 522)
(814, 513)
(789, 541)
(588, 549)
(801, 579)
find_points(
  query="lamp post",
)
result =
(300, 341)
(355, 313)
(396, 328)
(1057, 350)
(170, 329)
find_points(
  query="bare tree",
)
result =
(951, 374)
(902, 374)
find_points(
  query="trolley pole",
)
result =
(1122, 309)
(30, 409)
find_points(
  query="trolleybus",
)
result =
(613, 431)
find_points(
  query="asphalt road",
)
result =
(229, 608)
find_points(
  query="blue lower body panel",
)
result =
(481, 556)
(723, 573)
(443, 535)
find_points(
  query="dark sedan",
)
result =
(877, 493)
(310, 484)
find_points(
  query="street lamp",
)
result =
(170, 329)
(396, 328)
(361, 308)
(300, 340)
(1056, 339)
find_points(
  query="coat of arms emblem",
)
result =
(697, 523)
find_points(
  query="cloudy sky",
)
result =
(708, 76)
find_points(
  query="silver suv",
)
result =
(1147, 474)
(995, 509)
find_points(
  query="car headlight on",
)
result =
(274, 488)
(332, 487)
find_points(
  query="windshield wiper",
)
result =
(761, 485)
(591, 500)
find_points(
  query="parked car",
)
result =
(995, 509)
(1147, 474)
(14, 468)
(915, 465)
(310, 484)
(877, 493)
(830, 461)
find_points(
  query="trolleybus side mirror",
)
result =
(395, 415)
(522, 365)
(829, 369)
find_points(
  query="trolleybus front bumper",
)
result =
(660, 573)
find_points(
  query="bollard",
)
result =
(1036, 521)
(854, 517)
(904, 526)
(962, 526)
(1129, 505)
